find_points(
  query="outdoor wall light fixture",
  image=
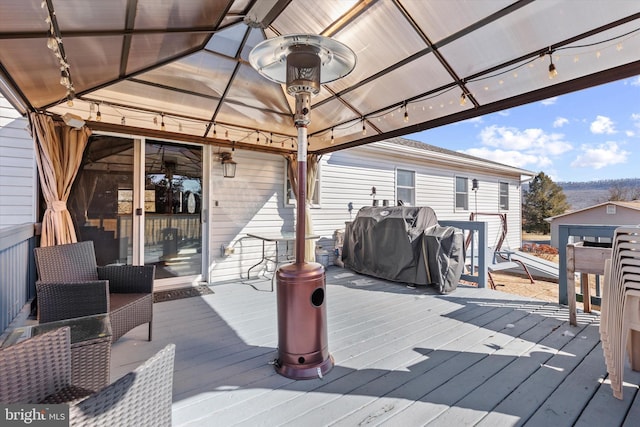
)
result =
(303, 62)
(228, 165)
(474, 184)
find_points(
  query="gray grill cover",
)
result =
(404, 244)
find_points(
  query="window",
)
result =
(504, 196)
(462, 193)
(291, 197)
(406, 187)
(611, 209)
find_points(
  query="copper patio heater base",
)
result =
(303, 62)
(303, 350)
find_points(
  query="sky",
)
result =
(589, 135)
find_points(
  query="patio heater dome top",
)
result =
(302, 61)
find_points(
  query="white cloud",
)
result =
(532, 141)
(630, 133)
(602, 124)
(474, 120)
(549, 101)
(600, 156)
(559, 122)
(504, 113)
(635, 81)
(510, 157)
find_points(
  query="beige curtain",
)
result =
(59, 151)
(312, 172)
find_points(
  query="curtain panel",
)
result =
(58, 150)
(312, 172)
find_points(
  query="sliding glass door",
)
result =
(172, 206)
(140, 202)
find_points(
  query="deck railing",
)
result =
(17, 271)
(476, 270)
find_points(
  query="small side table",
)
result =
(90, 347)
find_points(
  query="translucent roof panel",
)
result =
(251, 89)
(203, 72)
(155, 99)
(256, 120)
(392, 41)
(515, 34)
(227, 41)
(91, 67)
(37, 86)
(439, 19)
(300, 18)
(427, 72)
(71, 14)
(150, 49)
(181, 14)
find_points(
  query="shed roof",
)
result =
(184, 64)
(635, 205)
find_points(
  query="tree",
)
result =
(544, 199)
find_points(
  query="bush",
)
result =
(543, 251)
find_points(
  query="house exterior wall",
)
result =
(595, 216)
(17, 169)
(348, 175)
(253, 202)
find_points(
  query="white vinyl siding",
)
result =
(17, 169)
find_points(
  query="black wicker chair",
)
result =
(39, 371)
(70, 284)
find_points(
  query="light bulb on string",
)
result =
(226, 134)
(364, 129)
(332, 140)
(70, 97)
(162, 125)
(463, 99)
(155, 120)
(98, 114)
(553, 72)
(123, 121)
(214, 130)
(406, 113)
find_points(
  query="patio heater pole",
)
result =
(299, 61)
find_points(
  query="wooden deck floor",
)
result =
(404, 357)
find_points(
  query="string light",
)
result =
(214, 130)
(226, 134)
(332, 140)
(406, 114)
(463, 99)
(364, 129)
(162, 126)
(552, 68)
(123, 121)
(98, 114)
(155, 120)
(180, 126)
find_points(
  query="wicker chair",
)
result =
(70, 284)
(38, 371)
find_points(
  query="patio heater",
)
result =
(302, 63)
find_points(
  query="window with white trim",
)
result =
(405, 187)
(504, 196)
(462, 193)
